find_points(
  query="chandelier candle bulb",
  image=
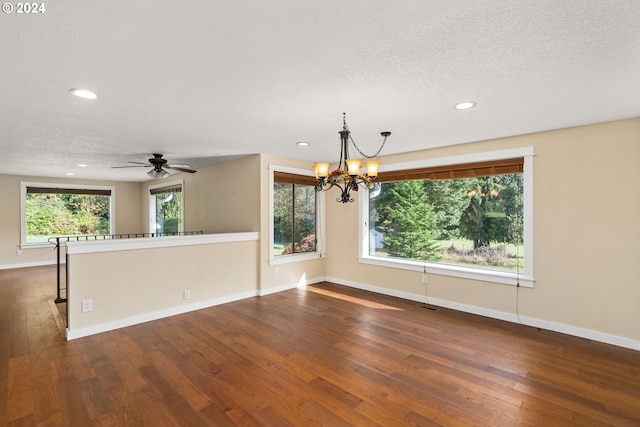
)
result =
(353, 166)
(322, 169)
(372, 168)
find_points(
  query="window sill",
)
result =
(286, 259)
(479, 274)
(37, 245)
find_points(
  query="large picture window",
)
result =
(166, 208)
(50, 210)
(454, 218)
(294, 215)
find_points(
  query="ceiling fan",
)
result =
(158, 165)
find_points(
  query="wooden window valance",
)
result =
(169, 189)
(84, 191)
(468, 170)
(292, 178)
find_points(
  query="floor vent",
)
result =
(428, 307)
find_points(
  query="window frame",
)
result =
(524, 277)
(23, 207)
(320, 222)
(152, 207)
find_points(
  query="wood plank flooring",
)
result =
(324, 356)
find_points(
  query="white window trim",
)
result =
(23, 207)
(320, 223)
(152, 208)
(522, 278)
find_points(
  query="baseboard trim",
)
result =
(148, 317)
(500, 315)
(156, 315)
(300, 284)
(28, 264)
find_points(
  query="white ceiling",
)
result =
(203, 80)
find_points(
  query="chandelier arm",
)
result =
(344, 193)
(345, 196)
(384, 141)
(321, 184)
(367, 182)
(326, 185)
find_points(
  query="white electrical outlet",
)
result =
(18, 252)
(186, 295)
(276, 271)
(424, 279)
(87, 306)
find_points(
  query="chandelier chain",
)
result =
(364, 155)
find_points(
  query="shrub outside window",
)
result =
(50, 210)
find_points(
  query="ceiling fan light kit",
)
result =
(157, 173)
(347, 176)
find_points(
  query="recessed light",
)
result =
(83, 93)
(303, 143)
(464, 105)
(82, 165)
(70, 173)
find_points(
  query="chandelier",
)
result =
(347, 176)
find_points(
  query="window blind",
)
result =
(468, 170)
(84, 191)
(170, 189)
(291, 178)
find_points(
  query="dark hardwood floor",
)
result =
(327, 355)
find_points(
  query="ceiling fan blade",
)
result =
(157, 163)
(180, 169)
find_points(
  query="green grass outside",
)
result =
(514, 260)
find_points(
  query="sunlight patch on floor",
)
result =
(354, 300)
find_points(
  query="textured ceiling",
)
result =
(204, 80)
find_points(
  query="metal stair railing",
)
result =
(57, 241)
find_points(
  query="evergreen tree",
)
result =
(283, 213)
(472, 221)
(494, 212)
(448, 199)
(408, 220)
